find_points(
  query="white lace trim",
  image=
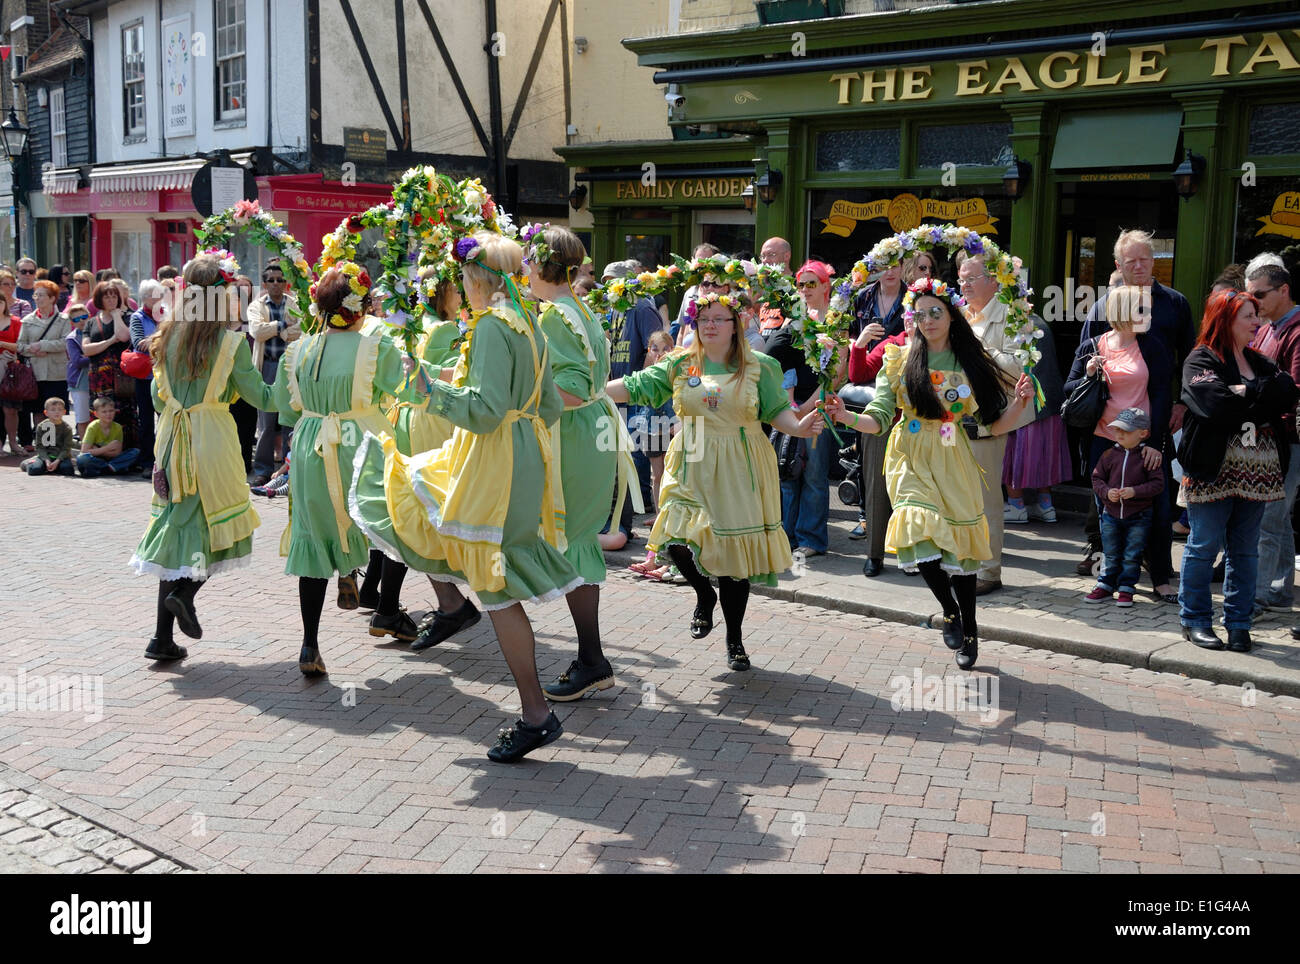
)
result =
(143, 567)
(465, 533)
(354, 509)
(945, 566)
(549, 596)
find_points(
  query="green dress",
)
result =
(328, 388)
(206, 473)
(416, 429)
(587, 432)
(721, 491)
(485, 509)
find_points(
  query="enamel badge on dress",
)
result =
(948, 433)
(694, 380)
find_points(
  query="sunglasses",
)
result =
(807, 285)
(27, 271)
(934, 311)
(79, 318)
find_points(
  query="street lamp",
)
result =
(768, 185)
(1016, 178)
(747, 196)
(15, 138)
(1187, 175)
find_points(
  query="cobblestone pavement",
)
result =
(231, 761)
(1041, 605)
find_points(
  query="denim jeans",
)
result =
(92, 465)
(637, 418)
(144, 420)
(1122, 542)
(1276, 584)
(36, 466)
(264, 462)
(806, 502)
(1233, 526)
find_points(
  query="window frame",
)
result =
(222, 60)
(58, 131)
(129, 130)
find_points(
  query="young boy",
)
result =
(53, 443)
(78, 373)
(101, 446)
(1125, 489)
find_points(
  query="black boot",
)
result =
(310, 662)
(969, 652)
(1239, 640)
(951, 626)
(873, 567)
(443, 626)
(180, 603)
(165, 651)
(1203, 638)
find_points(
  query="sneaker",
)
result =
(1124, 600)
(443, 626)
(1011, 514)
(1099, 594)
(399, 625)
(521, 739)
(578, 680)
(859, 531)
(1041, 513)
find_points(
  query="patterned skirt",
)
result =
(1251, 470)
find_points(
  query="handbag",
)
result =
(18, 383)
(137, 364)
(791, 455)
(1085, 405)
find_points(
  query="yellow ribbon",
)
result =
(552, 528)
(328, 440)
(182, 476)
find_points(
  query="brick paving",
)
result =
(232, 762)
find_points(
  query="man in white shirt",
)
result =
(988, 318)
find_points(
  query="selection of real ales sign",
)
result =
(178, 76)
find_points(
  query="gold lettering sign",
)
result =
(1284, 219)
(673, 188)
(1066, 69)
(906, 211)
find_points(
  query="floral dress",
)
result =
(721, 492)
(933, 480)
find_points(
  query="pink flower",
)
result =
(245, 211)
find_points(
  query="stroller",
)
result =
(852, 491)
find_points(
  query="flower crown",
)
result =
(226, 261)
(466, 249)
(733, 300)
(354, 303)
(533, 238)
(933, 287)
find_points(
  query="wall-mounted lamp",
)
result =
(1016, 178)
(1187, 175)
(747, 196)
(578, 197)
(768, 185)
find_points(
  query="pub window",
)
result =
(1273, 129)
(133, 118)
(965, 145)
(859, 150)
(232, 73)
(58, 128)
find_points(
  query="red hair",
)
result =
(821, 269)
(1221, 310)
(49, 287)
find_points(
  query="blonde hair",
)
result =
(1127, 305)
(1133, 236)
(663, 336)
(498, 259)
(737, 355)
(196, 337)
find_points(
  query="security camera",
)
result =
(674, 96)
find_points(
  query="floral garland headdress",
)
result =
(933, 287)
(354, 303)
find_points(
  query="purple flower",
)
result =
(844, 288)
(936, 235)
(465, 247)
(974, 244)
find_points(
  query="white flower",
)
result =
(352, 302)
(506, 224)
(474, 197)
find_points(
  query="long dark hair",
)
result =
(989, 383)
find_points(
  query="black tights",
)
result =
(164, 621)
(374, 569)
(945, 587)
(390, 587)
(734, 592)
(311, 600)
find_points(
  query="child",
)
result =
(101, 446)
(78, 373)
(53, 443)
(279, 483)
(658, 427)
(1125, 490)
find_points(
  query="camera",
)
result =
(674, 96)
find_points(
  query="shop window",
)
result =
(231, 65)
(1273, 129)
(133, 115)
(1268, 219)
(859, 150)
(965, 145)
(132, 257)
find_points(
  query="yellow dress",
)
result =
(933, 480)
(721, 494)
(486, 508)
